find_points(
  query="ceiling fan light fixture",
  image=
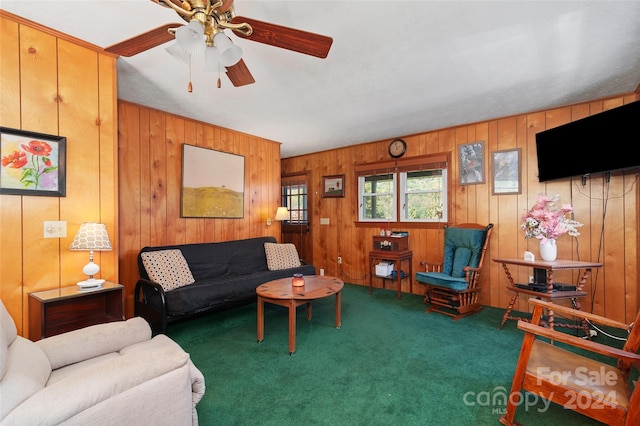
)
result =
(178, 53)
(211, 59)
(190, 37)
(230, 54)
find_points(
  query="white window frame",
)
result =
(362, 196)
(404, 192)
(398, 169)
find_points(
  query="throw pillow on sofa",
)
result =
(281, 256)
(168, 268)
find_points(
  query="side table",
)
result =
(65, 309)
(550, 294)
(396, 257)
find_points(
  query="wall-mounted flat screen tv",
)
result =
(603, 142)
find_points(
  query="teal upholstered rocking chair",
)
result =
(452, 286)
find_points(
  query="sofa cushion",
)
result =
(59, 402)
(206, 260)
(168, 268)
(439, 279)
(461, 258)
(248, 255)
(224, 291)
(26, 375)
(454, 240)
(95, 340)
(281, 256)
(214, 260)
(8, 333)
(71, 370)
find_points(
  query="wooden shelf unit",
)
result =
(395, 257)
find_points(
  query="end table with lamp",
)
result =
(89, 302)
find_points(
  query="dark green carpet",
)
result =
(389, 364)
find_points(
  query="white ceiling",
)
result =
(395, 68)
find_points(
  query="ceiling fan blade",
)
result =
(226, 4)
(239, 74)
(175, 2)
(144, 41)
(287, 38)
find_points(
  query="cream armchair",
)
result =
(106, 374)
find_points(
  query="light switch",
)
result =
(324, 221)
(55, 229)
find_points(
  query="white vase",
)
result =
(548, 250)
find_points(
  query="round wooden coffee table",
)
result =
(281, 292)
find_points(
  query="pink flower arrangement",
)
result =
(545, 221)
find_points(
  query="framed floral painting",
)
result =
(32, 163)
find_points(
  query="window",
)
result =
(403, 191)
(377, 197)
(424, 195)
(294, 197)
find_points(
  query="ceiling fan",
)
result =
(207, 20)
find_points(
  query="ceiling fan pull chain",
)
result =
(219, 83)
(190, 86)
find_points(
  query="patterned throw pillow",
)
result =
(281, 256)
(168, 268)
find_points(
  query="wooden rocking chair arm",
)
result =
(470, 269)
(579, 342)
(431, 266)
(599, 319)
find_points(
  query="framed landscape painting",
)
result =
(32, 163)
(212, 183)
(333, 186)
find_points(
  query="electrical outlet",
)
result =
(339, 260)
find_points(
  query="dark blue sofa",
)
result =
(226, 274)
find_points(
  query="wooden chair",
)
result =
(594, 388)
(453, 284)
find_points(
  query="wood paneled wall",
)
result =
(54, 84)
(610, 238)
(150, 185)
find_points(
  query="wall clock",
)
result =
(397, 148)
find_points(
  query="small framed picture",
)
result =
(505, 167)
(471, 163)
(333, 186)
(32, 163)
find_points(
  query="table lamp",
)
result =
(282, 213)
(91, 236)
